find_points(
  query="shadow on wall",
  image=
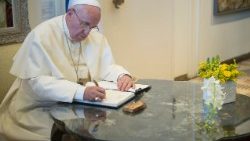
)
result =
(6, 79)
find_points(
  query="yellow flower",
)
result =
(202, 65)
(222, 72)
(235, 72)
(224, 67)
(227, 73)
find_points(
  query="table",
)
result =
(175, 112)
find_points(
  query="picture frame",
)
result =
(222, 7)
(20, 28)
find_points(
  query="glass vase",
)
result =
(230, 90)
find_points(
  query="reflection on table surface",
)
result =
(175, 111)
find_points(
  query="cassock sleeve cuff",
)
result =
(121, 75)
(79, 93)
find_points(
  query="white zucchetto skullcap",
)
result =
(87, 2)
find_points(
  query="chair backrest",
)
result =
(6, 79)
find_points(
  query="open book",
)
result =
(114, 97)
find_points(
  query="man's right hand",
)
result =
(94, 93)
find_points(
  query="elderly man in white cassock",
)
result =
(61, 53)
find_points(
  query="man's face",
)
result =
(82, 20)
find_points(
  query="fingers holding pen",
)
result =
(94, 93)
(101, 92)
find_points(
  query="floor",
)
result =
(243, 82)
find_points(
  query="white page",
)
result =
(113, 86)
(113, 98)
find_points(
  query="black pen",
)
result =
(96, 84)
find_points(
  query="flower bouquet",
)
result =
(226, 74)
(222, 72)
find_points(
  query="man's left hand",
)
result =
(125, 82)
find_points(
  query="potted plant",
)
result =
(226, 74)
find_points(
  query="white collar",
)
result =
(65, 27)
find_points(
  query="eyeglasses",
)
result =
(85, 25)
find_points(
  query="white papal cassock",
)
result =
(44, 67)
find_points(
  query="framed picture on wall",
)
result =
(222, 7)
(14, 23)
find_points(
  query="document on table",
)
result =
(114, 97)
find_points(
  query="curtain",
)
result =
(66, 4)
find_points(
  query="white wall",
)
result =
(169, 38)
(181, 36)
(228, 35)
(141, 36)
